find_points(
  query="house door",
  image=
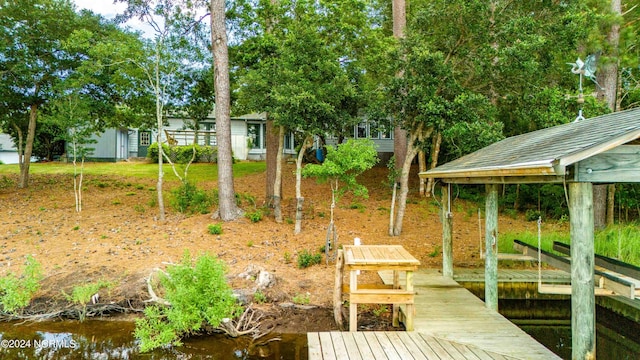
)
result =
(144, 140)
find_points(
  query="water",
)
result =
(616, 337)
(548, 321)
(95, 339)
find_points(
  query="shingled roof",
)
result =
(544, 153)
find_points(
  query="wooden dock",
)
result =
(450, 323)
(445, 309)
(391, 345)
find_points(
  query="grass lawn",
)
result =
(197, 172)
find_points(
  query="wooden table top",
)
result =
(378, 255)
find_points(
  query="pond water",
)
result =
(96, 339)
(547, 321)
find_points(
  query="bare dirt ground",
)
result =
(118, 238)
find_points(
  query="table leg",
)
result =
(353, 317)
(353, 307)
(396, 308)
(410, 307)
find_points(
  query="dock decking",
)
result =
(445, 309)
(392, 345)
(450, 323)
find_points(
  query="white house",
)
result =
(248, 134)
(8, 152)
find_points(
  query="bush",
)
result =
(16, 293)
(532, 215)
(215, 229)
(82, 295)
(199, 295)
(306, 259)
(183, 154)
(254, 216)
(188, 199)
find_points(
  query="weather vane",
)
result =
(584, 68)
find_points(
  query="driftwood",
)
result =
(249, 323)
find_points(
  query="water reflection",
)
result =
(71, 340)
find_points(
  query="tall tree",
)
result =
(32, 62)
(607, 77)
(228, 210)
(163, 56)
(303, 69)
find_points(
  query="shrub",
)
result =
(199, 295)
(152, 152)
(254, 216)
(183, 154)
(259, 297)
(306, 259)
(16, 293)
(532, 215)
(215, 229)
(188, 199)
(82, 295)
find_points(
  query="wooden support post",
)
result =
(583, 325)
(337, 291)
(491, 248)
(395, 319)
(411, 309)
(447, 233)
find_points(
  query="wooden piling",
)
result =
(583, 325)
(491, 248)
(447, 233)
(337, 291)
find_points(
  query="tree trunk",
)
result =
(23, 182)
(277, 186)
(271, 159)
(228, 210)
(611, 194)
(299, 199)
(435, 152)
(422, 166)
(399, 25)
(159, 104)
(404, 188)
(608, 79)
(599, 212)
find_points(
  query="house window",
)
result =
(256, 134)
(288, 141)
(145, 138)
(361, 130)
(384, 132)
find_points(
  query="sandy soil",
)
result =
(118, 238)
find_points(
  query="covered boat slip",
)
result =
(604, 149)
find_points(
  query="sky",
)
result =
(104, 7)
(109, 10)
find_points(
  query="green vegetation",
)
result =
(254, 216)
(183, 154)
(199, 295)
(197, 172)
(302, 299)
(215, 229)
(82, 295)
(259, 297)
(306, 259)
(620, 242)
(16, 292)
(188, 199)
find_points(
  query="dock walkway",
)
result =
(450, 323)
